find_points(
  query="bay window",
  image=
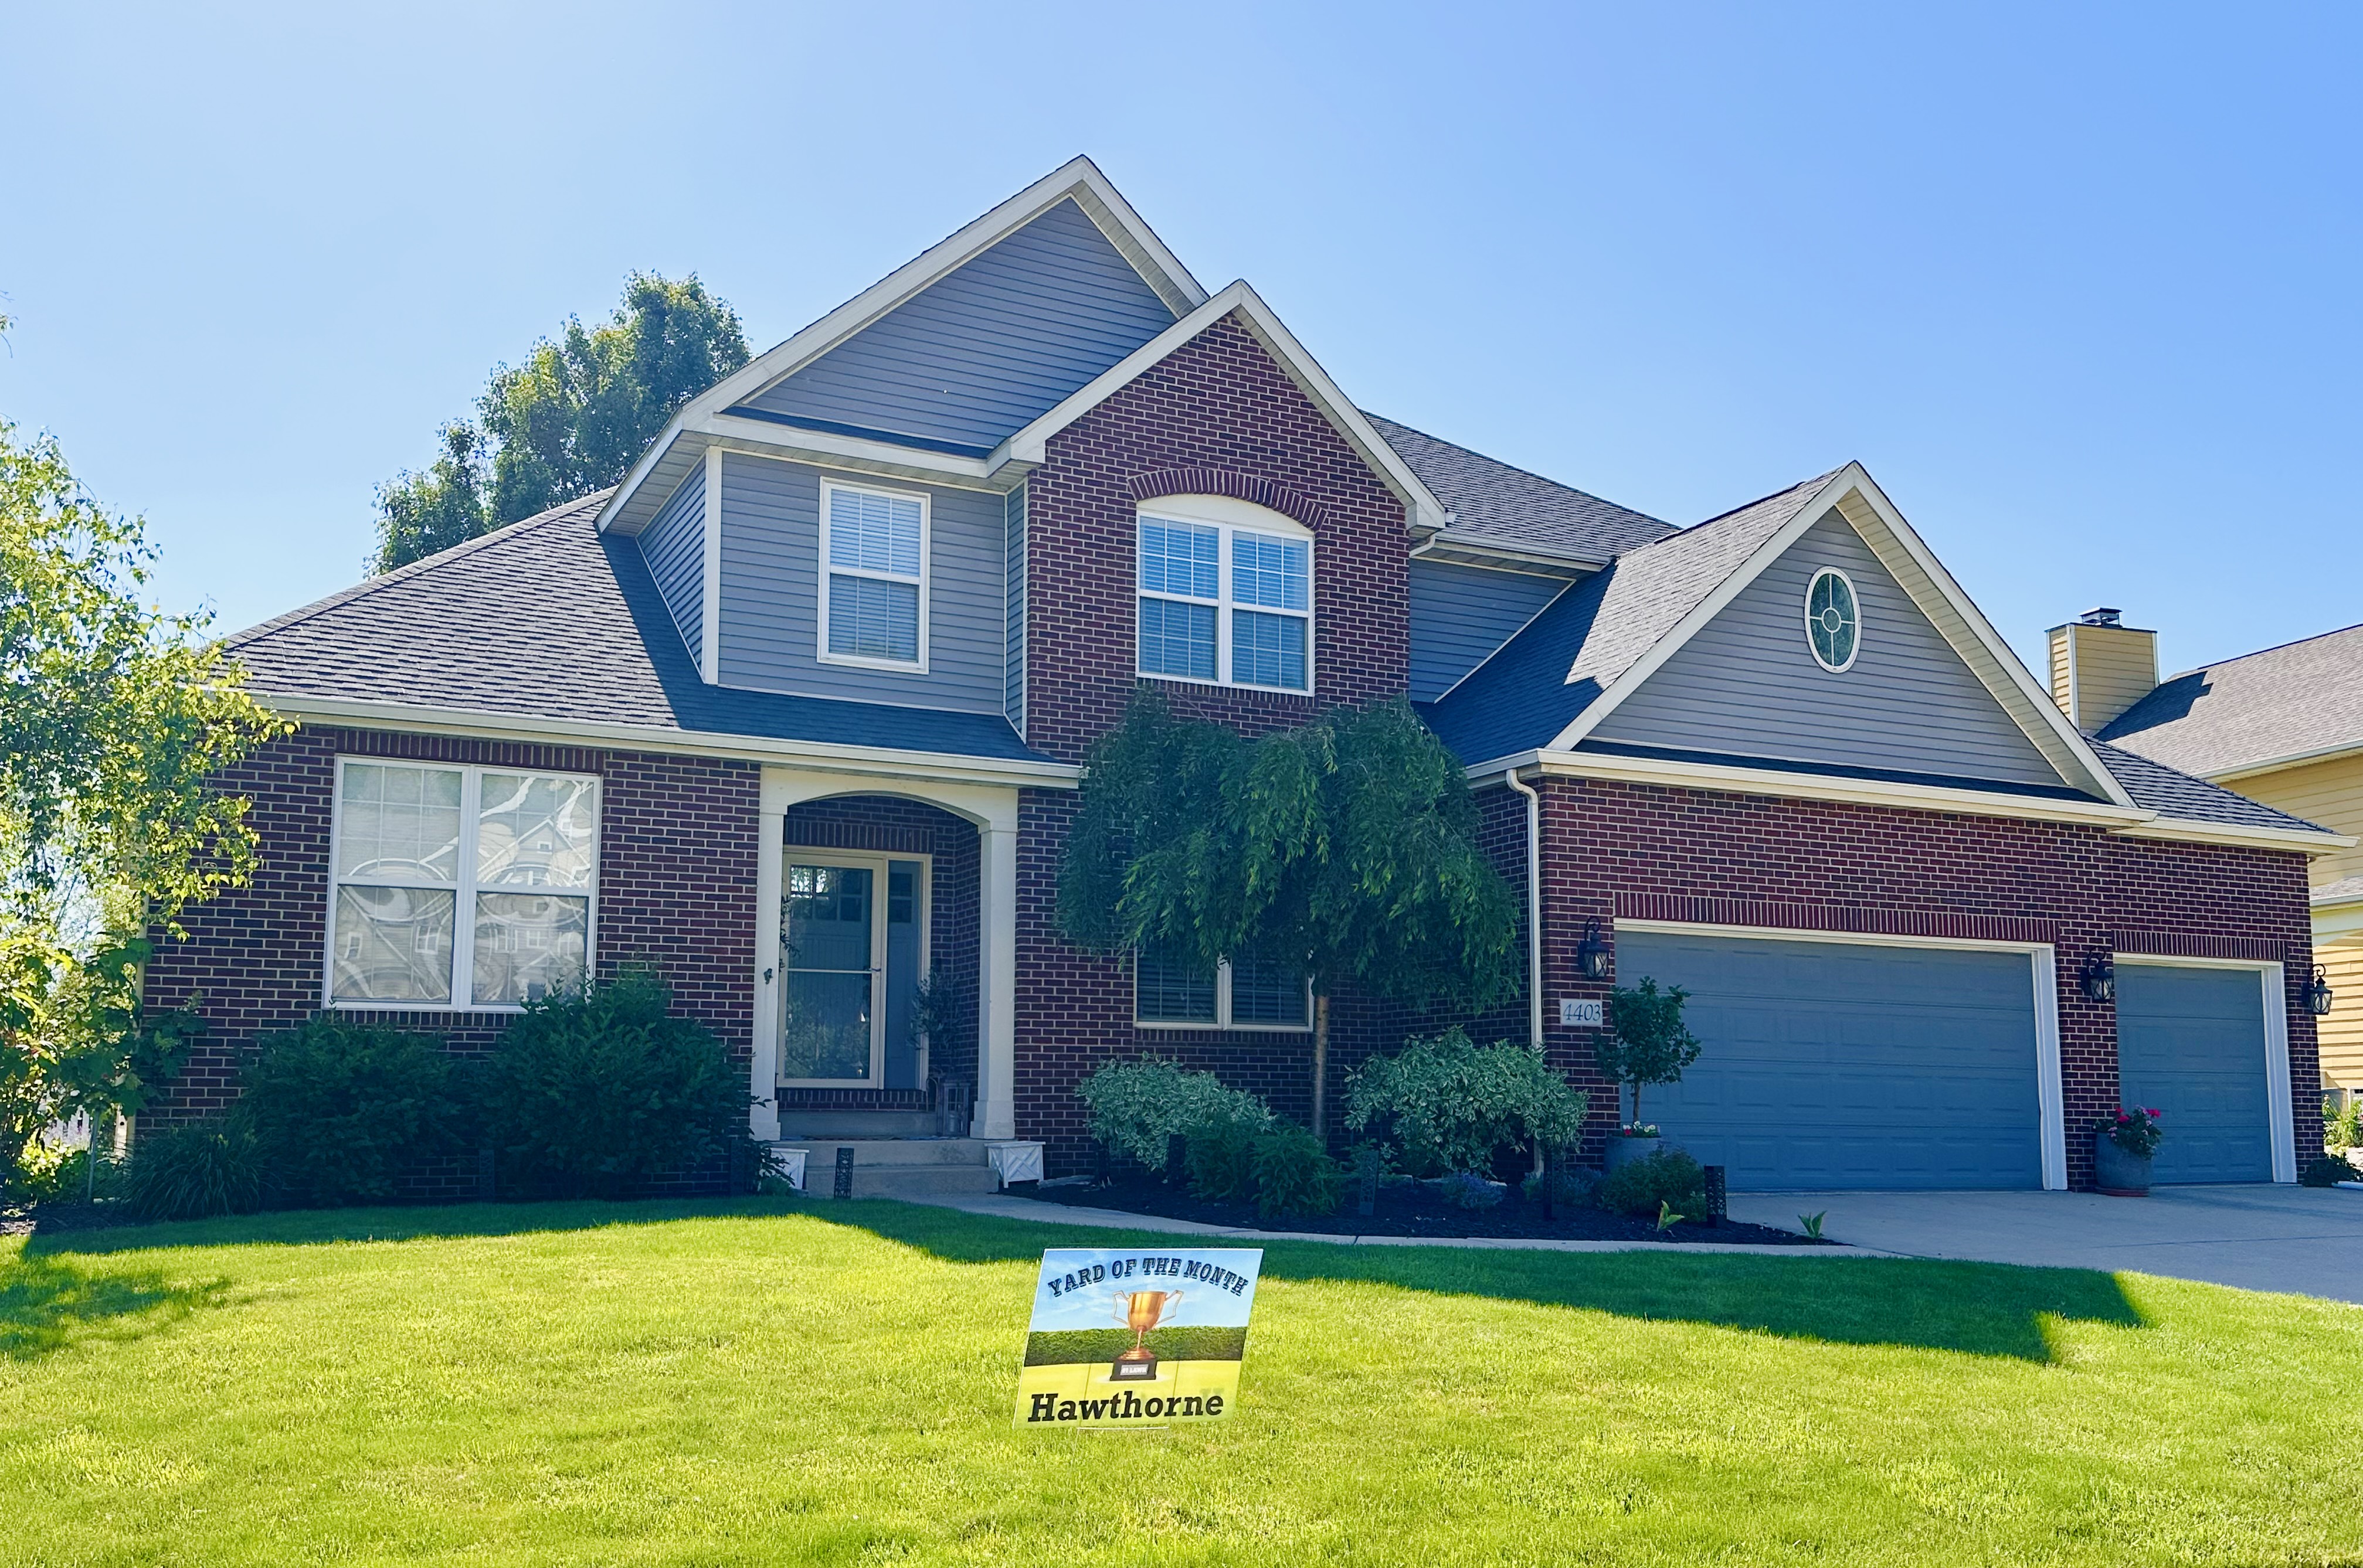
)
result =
(1225, 594)
(458, 887)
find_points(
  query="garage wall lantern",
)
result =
(2098, 978)
(1592, 953)
(2317, 993)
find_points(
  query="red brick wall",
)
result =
(678, 839)
(1218, 416)
(1744, 859)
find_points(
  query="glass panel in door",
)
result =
(831, 939)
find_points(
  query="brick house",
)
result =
(795, 715)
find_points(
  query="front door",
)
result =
(853, 938)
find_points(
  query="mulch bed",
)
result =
(1406, 1209)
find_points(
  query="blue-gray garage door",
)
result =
(2192, 1042)
(1846, 1065)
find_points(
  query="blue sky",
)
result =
(2078, 284)
(1094, 1307)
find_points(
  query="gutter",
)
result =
(1534, 902)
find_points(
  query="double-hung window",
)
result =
(1225, 594)
(1170, 991)
(873, 577)
(458, 887)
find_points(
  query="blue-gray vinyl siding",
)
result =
(989, 347)
(771, 591)
(1460, 615)
(1013, 653)
(1847, 1065)
(675, 547)
(1746, 684)
(2190, 1043)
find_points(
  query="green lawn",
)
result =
(764, 1382)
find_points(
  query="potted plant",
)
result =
(2122, 1146)
(1646, 1043)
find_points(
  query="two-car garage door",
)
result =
(1849, 1065)
(1860, 1064)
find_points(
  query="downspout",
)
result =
(1534, 902)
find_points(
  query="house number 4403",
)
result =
(1574, 1015)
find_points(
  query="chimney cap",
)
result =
(2102, 615)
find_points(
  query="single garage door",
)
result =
(2192, 1042)
(1847, 1064)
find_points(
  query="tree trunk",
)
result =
(1321, 1066)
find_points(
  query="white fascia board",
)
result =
(1962, 623)
(1453, 547)
(1423, 510)
(762, 438)
(1706, 610)
(1078, 178)
(2183, 832)
(2275, 764)
(1731, 780)
(877, 762)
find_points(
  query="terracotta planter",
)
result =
(2120, 1175)
(1623, 1151)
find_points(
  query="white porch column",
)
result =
(996, 1045)
(764, 1073)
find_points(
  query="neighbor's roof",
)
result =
(2299, 700)
(545, 619)
(1491, 500)
(2345, 890)
(1543, 678)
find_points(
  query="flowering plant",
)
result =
(2136, 1132)
(1639, 1130)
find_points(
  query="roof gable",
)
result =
(1747, 685)
(983, 349)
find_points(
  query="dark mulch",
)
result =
(1406, 1209)
(61, 1214)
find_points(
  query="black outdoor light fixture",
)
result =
(1592, 953)
(2317, 993)
(2098, 978)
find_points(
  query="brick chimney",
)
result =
(2101, 667)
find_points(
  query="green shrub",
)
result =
(1294, 1174)
(2342, 1125)
(195, 1171)
(1576, 1189)
(1221, 1160)
(2328, 1170)
(343, 1108)
(1646, 1185)
(1451, 1103)
(1468, 1189)
(1136, 1106)
(595, 1091)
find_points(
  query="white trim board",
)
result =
(2274, 982)
(1852, 494)
(1078, 178)
(2043, 961)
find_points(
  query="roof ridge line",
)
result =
(403, 573)
(2259, 653)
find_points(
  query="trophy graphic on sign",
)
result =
(1140, 1310)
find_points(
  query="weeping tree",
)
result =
(1347, 848)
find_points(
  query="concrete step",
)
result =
(821, 1153)
(797, 1123)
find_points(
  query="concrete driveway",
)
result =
(2306, 1239)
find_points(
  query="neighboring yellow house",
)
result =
(2284, 726)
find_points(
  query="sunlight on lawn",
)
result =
(760, 1382)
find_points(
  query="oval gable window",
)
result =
(1833, 621)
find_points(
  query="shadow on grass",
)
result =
(1991, 1310)
(48, 1303)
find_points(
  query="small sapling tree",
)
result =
(1645, 1040)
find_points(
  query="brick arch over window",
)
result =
(1230, 482)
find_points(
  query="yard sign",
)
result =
(1121, 1337)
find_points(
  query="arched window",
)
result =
(1226, 594)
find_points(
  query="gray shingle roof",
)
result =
(1537, 683)
(2345, 890)
(2172, 793)
(2284, 702)
(1491, 499)
(548, 619)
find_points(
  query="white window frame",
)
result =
(1854, 596)
(829, 488)
(462, 885)
(1230, 518)
(878, 863)
(1222, 1019)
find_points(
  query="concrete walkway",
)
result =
(2306, 1239)
(1041, 1213)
